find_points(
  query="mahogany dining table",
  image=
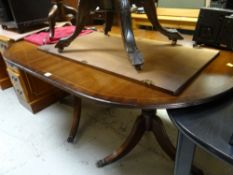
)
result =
(80, 80)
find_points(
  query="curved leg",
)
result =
(123, 7)
(150, 9)
(52, 19)
(147, 121)
(108, 22)
(160, 133)
(71, 11)
(108, 5)
(132, 140)
(76, 119)
(84, 9)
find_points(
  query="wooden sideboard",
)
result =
(32, 92)
(170, 17)
(4, 79)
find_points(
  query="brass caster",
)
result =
(174, 42)
(138, 67)
(70, 139)
(60, 49)
(100, 163)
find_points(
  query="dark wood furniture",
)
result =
(60, 12)
(72, 3)
(122, 7)
(4, 79)
(82, 80)
(33, 93)
(208, 126)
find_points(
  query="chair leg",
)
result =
(71, 11)
(108, 22)
(84, 9)
(52, 19)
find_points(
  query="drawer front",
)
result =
(18, 85)
(26, 85)
(12, 67)
(3, 45)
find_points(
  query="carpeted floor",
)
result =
(36, 144)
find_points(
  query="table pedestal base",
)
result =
(147, 121)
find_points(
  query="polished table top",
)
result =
(215, 80)
(208, 125)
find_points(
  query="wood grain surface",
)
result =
(214, 81)
(4, 79)
(165, 66)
